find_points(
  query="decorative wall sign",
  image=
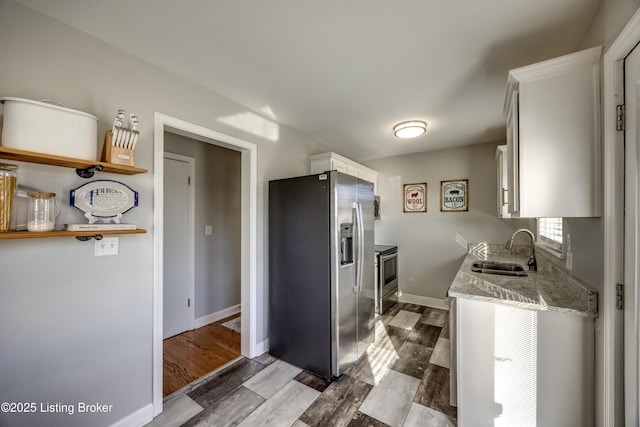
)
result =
(454, 195)
(415, 197)
(104, 200)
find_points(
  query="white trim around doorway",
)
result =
(249, 153)
(610, 396)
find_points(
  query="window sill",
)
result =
(549, 250)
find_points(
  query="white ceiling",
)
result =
(345, 71)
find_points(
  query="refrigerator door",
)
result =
(299, 272)
(366, 294)
(344, 311)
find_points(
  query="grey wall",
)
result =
(432, 245)
(610, 19)
(217, 192)
(74, 327)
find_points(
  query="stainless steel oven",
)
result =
(386, 289)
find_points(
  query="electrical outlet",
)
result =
(107, 246)
(570, 261)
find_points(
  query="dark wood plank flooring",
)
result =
(193, 354)
(226, 401)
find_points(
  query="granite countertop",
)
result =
(550, 288)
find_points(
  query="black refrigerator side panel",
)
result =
(299, 273)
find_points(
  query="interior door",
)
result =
(631, 237)
(178, 276)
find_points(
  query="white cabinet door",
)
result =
(339, 166)
(519, 367)
(351, 170)
(332, 161)
(553, 137)
(367, 176)
(558, 145)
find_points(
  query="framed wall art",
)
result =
(454, 195)
(415, 197)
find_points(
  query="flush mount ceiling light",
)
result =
(410, 129)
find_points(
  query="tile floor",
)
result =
(403, 380)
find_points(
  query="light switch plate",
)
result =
(107, 246)
(208, 229)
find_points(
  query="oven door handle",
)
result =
(384, 258)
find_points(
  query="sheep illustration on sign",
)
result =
(415, 197)
(454, 196)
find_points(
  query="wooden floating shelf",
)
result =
(13, 235)
(67, 162)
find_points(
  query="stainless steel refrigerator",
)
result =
(321, 272)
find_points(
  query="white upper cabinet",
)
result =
(553, 137)
(332, 161)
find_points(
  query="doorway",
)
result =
(631, 234)
(248, 239)
(202, 254)
(617, 402)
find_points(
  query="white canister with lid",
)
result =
(42, 211)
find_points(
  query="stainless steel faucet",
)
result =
(532, 263)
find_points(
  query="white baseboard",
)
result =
(136, 419)
(214, 317)
(420, 300)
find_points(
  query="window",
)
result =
(550, 233)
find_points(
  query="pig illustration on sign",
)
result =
(454, 195)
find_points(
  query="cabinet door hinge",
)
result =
(620, 297)
(189, 180)
(620, 117)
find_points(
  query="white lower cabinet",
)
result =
(520, 367)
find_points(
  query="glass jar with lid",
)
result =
(8, 179)
(42, 211)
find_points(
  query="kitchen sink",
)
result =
(498, 267)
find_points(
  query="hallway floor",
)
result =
(193, 354)
(403, 380)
